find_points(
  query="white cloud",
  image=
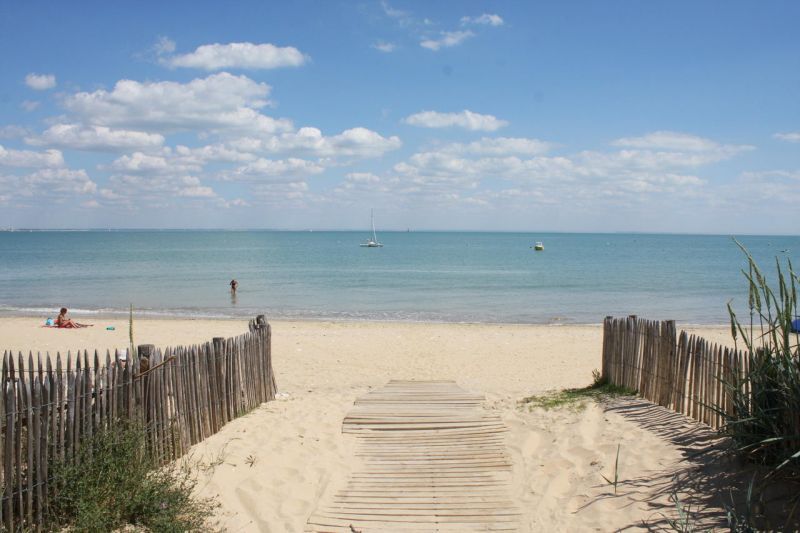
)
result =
(441, 166)
(465, 119)
(792, 137)
(486, 19)
(384, 46)
(361, 183)
(211, 152)
(392, 12)
(40, 82)
(649, 159)
(771, 186)
(30, 159)
(497, 146)
(236, 202)
(29, 105)
(268, 169)
(219, 103)
(179, 160)
(108, 194)
(62, 180)
(197, 191)
(157, 188)
(362, 177)
(164, 45)
(444, 178)
(95, 138)
(789, 176)
(472, 173)
(141, 162)
(277, 193)
(360, 142)
(239, 55)
(446, 39)
(671, 140)
(354, 142)
(664, 149)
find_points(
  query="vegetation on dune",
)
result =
(765, 424)
(576, 398)
(112, 483)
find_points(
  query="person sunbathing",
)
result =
(65, 322)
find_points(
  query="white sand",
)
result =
(270, 467)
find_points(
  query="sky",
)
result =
(582, 116)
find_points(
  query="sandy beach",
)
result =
(269, 468)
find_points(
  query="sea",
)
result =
(462, 277)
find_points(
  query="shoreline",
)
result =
(157, 315)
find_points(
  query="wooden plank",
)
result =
(430, 457)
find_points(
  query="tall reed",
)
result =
(765, 424)
(131, 345)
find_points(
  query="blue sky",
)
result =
(529, 116)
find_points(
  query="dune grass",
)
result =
(765, 425)
(112, 483)
(576, 398)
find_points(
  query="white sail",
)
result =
(373, 242)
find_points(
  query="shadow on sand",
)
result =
(706, 482)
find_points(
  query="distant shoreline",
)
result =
(388, 230)
(157, 316)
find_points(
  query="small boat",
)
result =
(538, 246)
(373, 242)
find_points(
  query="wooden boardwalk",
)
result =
(429, 459)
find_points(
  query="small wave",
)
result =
(51, 310)
(110, 311)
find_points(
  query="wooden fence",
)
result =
(50, 406)
(685, 373)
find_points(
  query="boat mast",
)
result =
(372, 220)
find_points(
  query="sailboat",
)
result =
(373, 242)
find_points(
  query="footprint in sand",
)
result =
(251, 485)
(295, 507)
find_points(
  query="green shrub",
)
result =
(113, 483)
(765, 425)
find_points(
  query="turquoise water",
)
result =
(422, 276)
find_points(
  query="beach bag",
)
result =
(49, 322)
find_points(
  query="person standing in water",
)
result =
(234, 284)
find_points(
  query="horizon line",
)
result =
(407, 230)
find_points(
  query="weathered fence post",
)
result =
(221, 382)
(146, 352)
(608, 348)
